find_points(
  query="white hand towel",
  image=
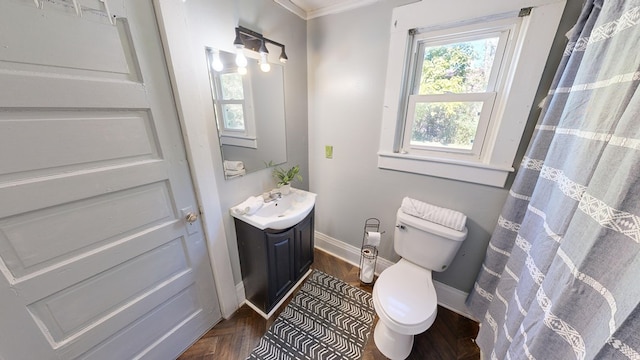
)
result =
(249, 206)
(233, 165)
(446, 217)
(228, 172)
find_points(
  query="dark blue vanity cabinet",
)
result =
(272, 261)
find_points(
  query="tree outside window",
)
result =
(453, 92)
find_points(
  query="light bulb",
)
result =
(241, 60)
(216, 64)
(242, 70)
(264, 64)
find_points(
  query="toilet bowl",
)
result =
(405, 300)
(404, 296)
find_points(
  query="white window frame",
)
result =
(506, 32)
(233, 137)
(516, 86)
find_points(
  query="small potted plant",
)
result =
(285, 177)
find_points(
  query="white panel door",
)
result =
(96, 258)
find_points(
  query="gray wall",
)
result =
(212, 24)
(347, 55)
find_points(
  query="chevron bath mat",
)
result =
(327, 319)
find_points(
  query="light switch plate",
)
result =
(328, 151)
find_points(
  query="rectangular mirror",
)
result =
(249, 111)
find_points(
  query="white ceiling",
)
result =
(309, 9)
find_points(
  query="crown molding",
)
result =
(338, 8)
(287, 4)
(331, 9)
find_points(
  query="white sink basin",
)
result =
(282, 213)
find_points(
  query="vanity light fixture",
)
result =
(251, 40)
(264, 63)
(241, 60)
(263, 48)
(283, 56)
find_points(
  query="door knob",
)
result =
(191, 217)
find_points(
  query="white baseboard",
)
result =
(240, 293)
(346, 252)
(448, 297)
(452, 299)
(284, 298)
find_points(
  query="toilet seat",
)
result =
(405, 299)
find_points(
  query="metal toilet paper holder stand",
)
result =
(368, 253)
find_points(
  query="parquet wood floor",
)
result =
(449, 338)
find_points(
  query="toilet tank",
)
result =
(426, 244)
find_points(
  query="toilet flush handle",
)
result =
(401, 227)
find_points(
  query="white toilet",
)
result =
(404, 296)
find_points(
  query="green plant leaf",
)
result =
(286, 176)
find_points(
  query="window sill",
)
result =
(469, 171)
(246, 142)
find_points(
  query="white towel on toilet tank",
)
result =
(446, 217)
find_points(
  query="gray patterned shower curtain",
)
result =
(561, 278)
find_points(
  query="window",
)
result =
(233, 107)
(231, 102)
(461, 80)
(453, 87)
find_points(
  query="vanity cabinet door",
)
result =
(304, 246)
(272, 261)
(280, 263)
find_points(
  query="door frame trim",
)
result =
(175, 36)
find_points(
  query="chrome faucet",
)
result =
(273, 196)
